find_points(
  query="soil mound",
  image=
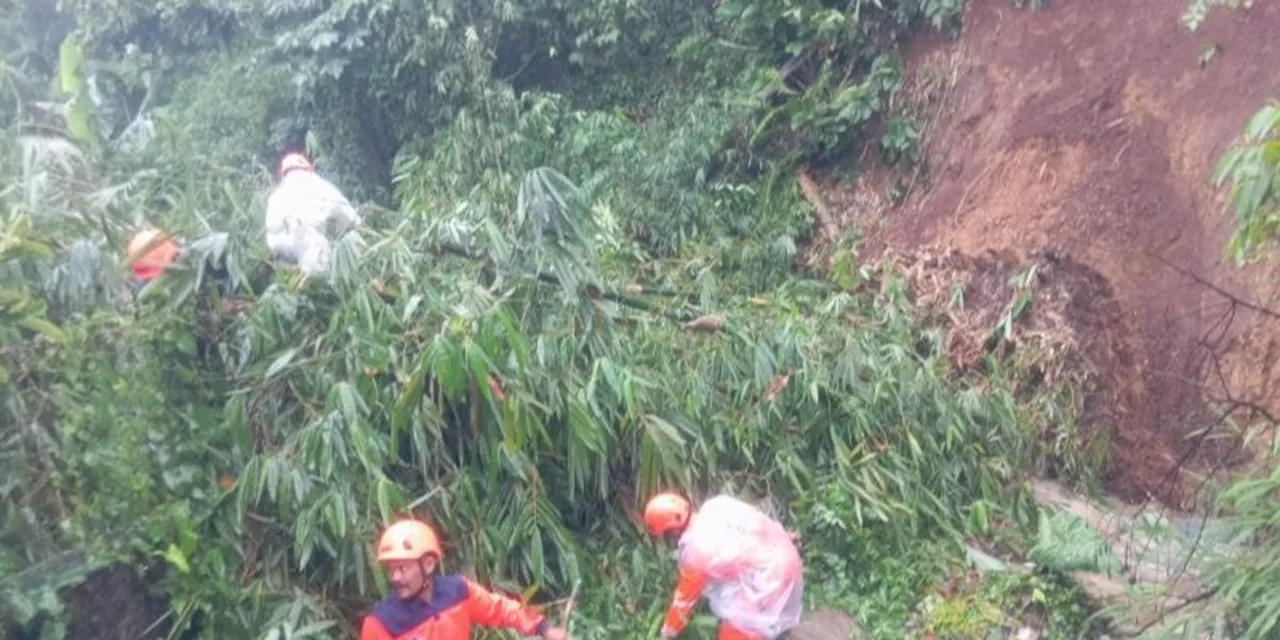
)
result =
(1061, 320)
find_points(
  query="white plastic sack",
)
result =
(756, 577)
(299, 214)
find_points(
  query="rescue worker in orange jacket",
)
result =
(742, 560)
(428, 606)
(150, 253)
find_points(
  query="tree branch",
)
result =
(547, 278)
(1172, 610)
(1217, 289)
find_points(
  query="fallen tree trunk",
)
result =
(809, 189)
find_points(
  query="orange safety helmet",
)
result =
(295, 161)
(407, 540)
(667, 512)
(150, 252)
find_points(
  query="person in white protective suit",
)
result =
(742, 560)
(299, 213)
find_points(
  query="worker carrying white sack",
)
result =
(299, 213)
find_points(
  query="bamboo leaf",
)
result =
(279, 364)
(42, 327)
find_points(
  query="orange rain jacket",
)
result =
(747, 566)
(456, 604)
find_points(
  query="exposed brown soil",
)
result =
(1066, 326)
(1089, 129)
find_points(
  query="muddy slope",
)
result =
(1090, 129)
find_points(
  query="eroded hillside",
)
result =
(1091, 128)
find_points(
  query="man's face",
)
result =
(409, 577)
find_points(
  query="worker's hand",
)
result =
(668, 632)
(556, 633)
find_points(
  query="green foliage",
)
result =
(901, 140)
(585, 412)
(699, 86)
(868, 571)
(1003, 601)
(24, 595)
(676, 415)
(1198, 10)
(255, 107)
(76, 111)
(1034, 5)
(1247, 581)
(22, 314)
(1066, 543)
(1252, 167)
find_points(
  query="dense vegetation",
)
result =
(576, 287)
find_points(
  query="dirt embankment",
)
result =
(1058, 317)
(1090, 129)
